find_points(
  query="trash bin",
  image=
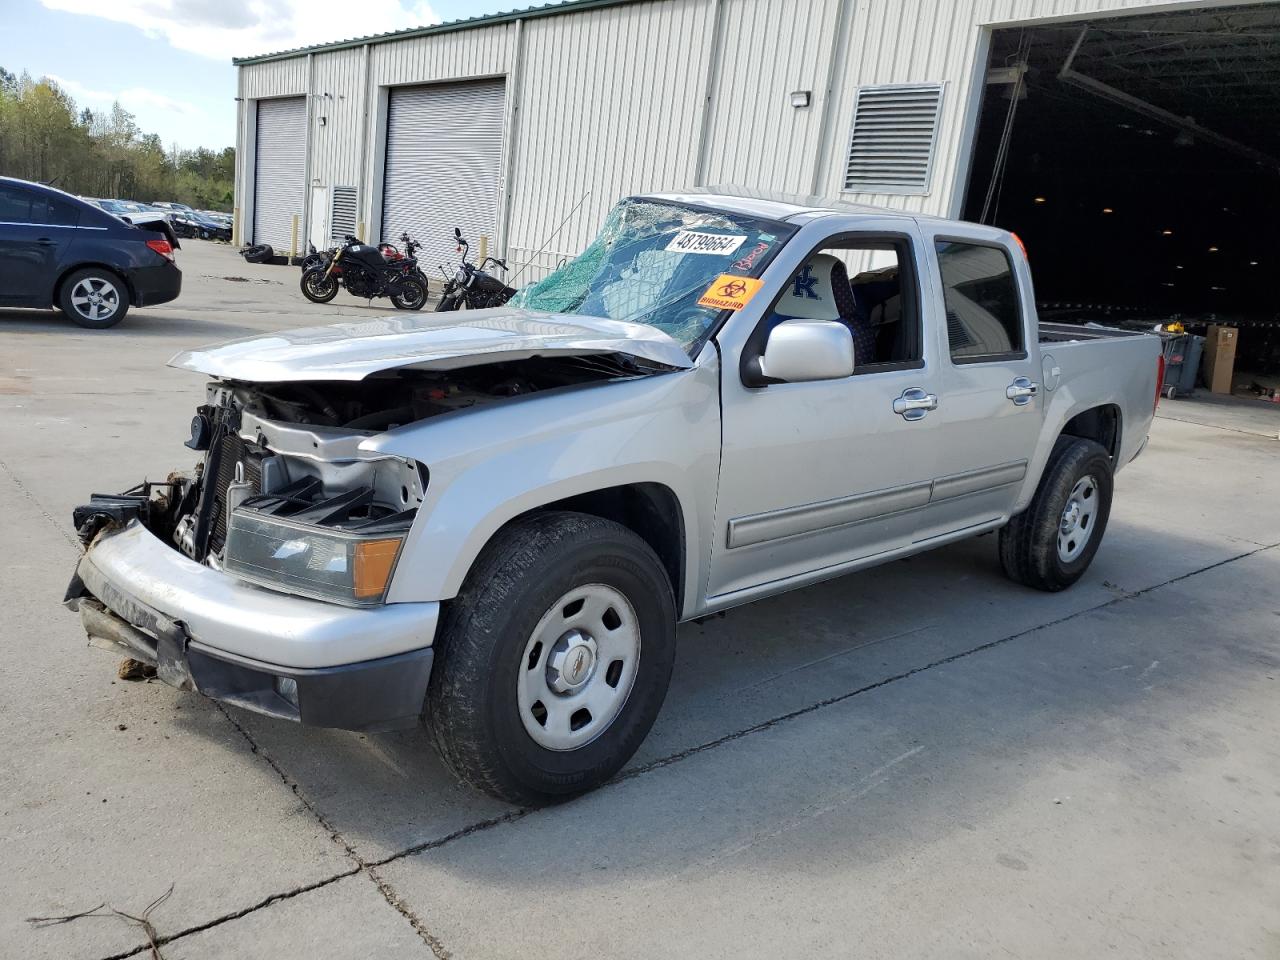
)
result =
(1181, 363)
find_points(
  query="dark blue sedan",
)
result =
(58, 250)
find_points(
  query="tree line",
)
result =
(102, 153)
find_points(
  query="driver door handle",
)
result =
(1021, 391)
(914, 404)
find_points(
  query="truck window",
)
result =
(865, 285)
(984, 320)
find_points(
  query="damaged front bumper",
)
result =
(289, 657)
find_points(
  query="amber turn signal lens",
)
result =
(372, 567)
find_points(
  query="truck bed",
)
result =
(1069, 332)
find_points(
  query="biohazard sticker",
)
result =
(730, 292)
(718, 244)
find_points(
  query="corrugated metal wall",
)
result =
(610, 103)
(666, 94)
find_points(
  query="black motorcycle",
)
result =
(366, 271)
(470, 286)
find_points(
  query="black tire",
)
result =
(448, 303)
(258, 253)
(472, 707)
(94, 298)
(316, 287)
(411, 294)
(1030, 550)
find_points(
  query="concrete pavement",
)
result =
(921, 760)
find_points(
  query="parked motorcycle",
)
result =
(365, 271)
(470, 286)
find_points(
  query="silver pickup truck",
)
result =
(491, 522)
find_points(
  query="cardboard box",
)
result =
(1219, 364)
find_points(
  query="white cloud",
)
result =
(131, 98)
(238, 28)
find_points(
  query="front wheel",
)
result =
(411, 294)
(553, 660)
(317, 287)
(1050, 545)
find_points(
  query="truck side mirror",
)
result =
(801, 350)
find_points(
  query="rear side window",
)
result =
(984, 317)
(15, 206)
(62, 213)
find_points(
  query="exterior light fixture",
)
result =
(1107, 210)
(1167, 233)
(800, 98)
(1213, 249)
(1040, 200)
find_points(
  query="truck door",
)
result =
(989, 405)
(818, 476)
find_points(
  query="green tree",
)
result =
(44, 137)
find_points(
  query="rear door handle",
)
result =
(1021, 391)
(914, 404)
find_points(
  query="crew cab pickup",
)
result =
(491, 521)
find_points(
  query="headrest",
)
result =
(810, 295)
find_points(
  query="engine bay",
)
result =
(289, 451)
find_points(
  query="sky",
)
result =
(168, 62)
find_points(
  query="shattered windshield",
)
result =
(668, 265)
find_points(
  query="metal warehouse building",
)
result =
(1098, 129)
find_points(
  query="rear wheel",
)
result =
(411, 294)
(94, 298)
(553, 660)
(317, 287)
(1050, 545)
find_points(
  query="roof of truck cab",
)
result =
(779, 206)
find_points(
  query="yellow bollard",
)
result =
(293, 240)
(236, 233)
(484, 247)
(360, 231)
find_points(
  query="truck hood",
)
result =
(437, 341)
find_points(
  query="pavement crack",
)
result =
(28, 495)
(633, 773)
(236, 915)
(393, 899)
(1218, 426)
(907, 674)
(398, 904)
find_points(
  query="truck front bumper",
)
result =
(298, 659)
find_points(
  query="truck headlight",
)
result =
(336, 565)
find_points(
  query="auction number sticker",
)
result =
(719, 244)
(730, 292)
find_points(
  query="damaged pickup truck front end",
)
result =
(255, 577)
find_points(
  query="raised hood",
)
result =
(437, 341)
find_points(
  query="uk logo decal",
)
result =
(806, 284)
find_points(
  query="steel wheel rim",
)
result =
(1079, 519)
(578, 667)
(95, 298)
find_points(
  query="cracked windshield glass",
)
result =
(670, 266)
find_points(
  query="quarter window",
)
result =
(63, 213)
(984, 319)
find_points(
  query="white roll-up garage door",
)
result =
(279, 171)
(444, 166)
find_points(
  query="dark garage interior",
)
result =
(1138, 158)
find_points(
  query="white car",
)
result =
(492, 521)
